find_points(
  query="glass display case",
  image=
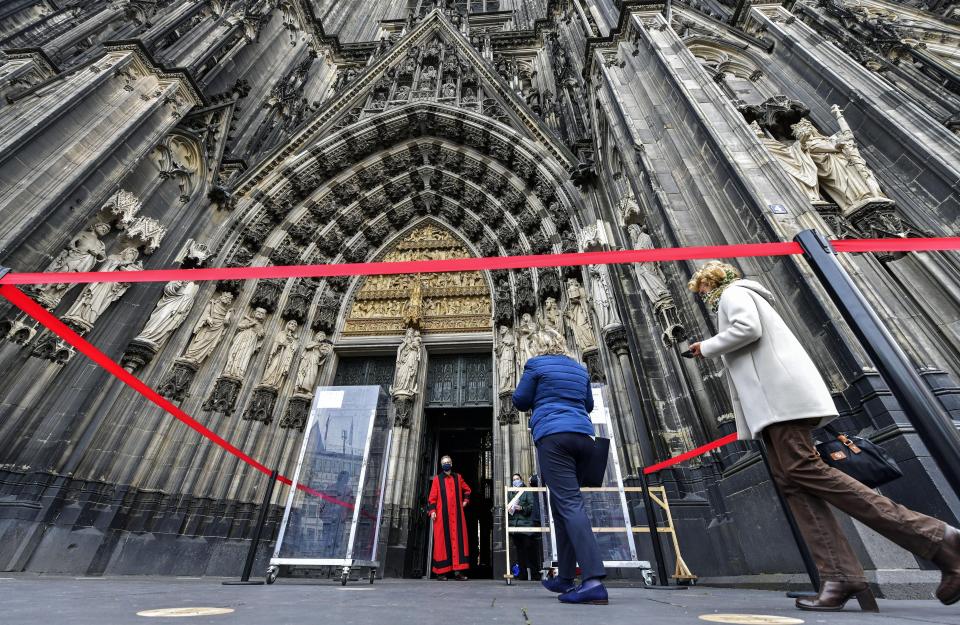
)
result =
(332, 517)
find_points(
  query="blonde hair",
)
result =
(549, 341)
(712, 274)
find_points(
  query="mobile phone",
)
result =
(687, 354)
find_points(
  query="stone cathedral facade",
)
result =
(143, 134)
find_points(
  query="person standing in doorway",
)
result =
(779, 396)
(520, 512)
(449, 495)
(557, 389)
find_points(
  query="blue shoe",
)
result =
(596, 595)
(558, 584)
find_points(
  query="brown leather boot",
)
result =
(947, 559)
(834, 595)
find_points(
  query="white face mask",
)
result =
(517, 483)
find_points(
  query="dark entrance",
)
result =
(466, 435)
(458, 421)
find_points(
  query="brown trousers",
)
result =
(808, 484)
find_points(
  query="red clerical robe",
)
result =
(448, 493)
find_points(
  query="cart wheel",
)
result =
(373, 575)
(345, 576)
(272, 574)
(509, 581)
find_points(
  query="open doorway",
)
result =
(466, 434)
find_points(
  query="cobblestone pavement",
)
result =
(34, 600)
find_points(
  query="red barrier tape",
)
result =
(410, 266)
(693, 453)
(477, 264)
(22, 301)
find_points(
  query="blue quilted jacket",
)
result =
(557, 388)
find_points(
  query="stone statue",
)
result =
(281, 356)
(171, 310)
(651, 279)
(314, 357)
(603, 302)
(449, 90)
(97, 297)
(209, 329)
(552, 316)
(841, 170)
(794, 161)
(506, 360)
(82, 253)
(578, 317)
(408, 364)
(246, 343)
(525, 331)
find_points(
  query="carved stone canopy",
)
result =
(776, 114)
(446, 302)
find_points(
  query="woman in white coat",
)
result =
(779, 396)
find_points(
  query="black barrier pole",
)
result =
(808, 562)
(932, 423)
(252, 552)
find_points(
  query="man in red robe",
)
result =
(449, 495)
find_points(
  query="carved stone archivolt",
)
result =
(448, 302)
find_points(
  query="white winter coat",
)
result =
(771, 377)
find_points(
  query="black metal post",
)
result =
(646, 446)
(252, 552)
(932, 423)
(808, 562)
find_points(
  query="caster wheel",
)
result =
(272, 574)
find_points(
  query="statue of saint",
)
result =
(314, 356)
(578, 317)
(281, 356)
(97, 297)
(506, 360)
(841, 170)
(525, 331)
(171, 310)
(795, 162)
(246, 343)
(652, 281)
(209, 329)
(602, 300)
(82, 253)
(552, 316)
(408, 364)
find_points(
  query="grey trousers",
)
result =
(808, 484)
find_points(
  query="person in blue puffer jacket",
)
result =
(556, 388)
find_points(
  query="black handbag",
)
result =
(591, 476)
(859, 458)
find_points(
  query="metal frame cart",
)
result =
(345, 407)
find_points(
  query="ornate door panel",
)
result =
(459, 380)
